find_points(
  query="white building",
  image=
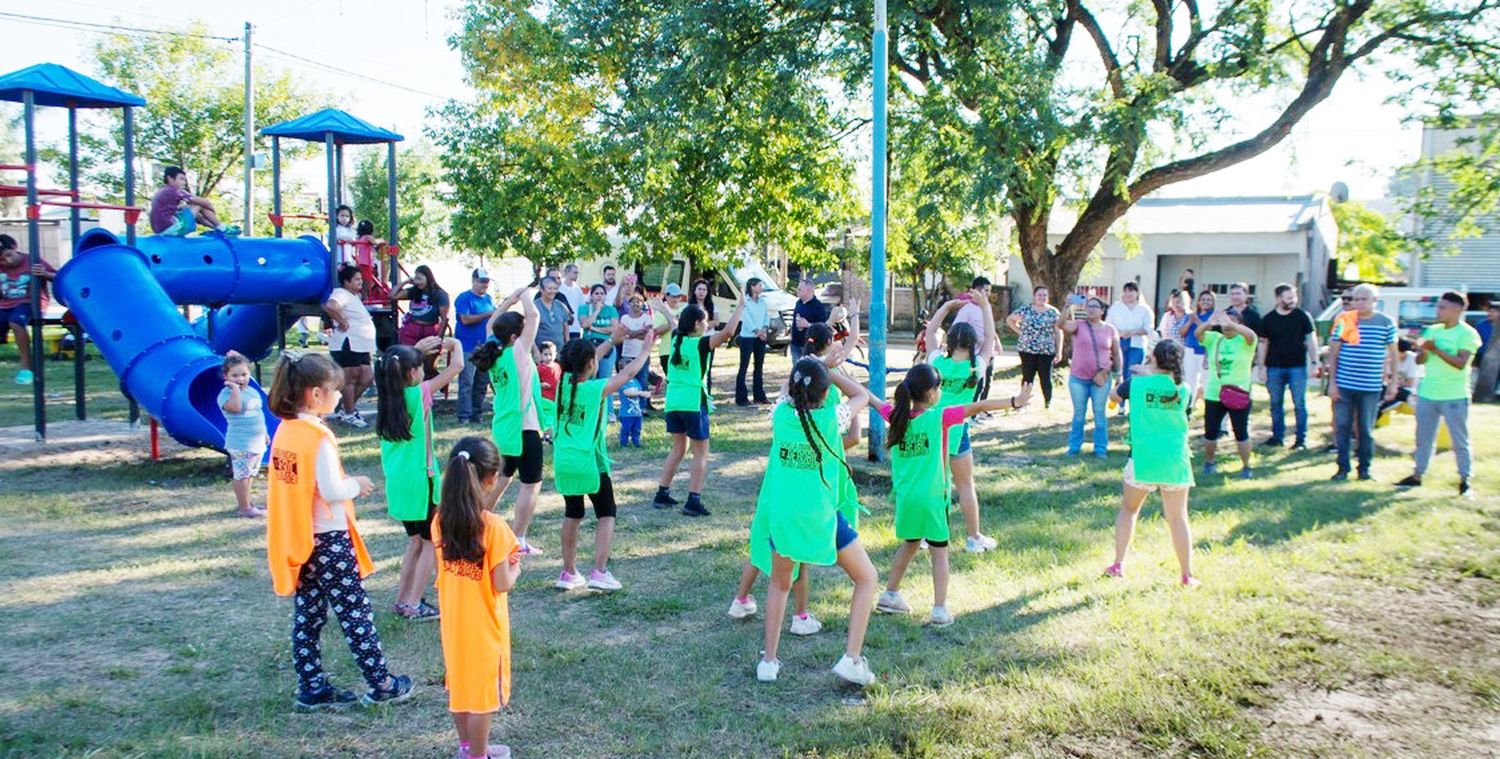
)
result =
(1261, 241)
(1475, 264)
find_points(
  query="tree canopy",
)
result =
(699, 126)
(420, 214)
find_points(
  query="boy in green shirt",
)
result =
(1446, 350)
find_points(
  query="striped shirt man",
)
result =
(1361, 365)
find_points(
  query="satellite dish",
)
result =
(1339, 191)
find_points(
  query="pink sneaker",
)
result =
(1114, 570)
(569, 581)
(1189, 581)
(528, 549)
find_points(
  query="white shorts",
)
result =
(1192, 371)
(1149, 487)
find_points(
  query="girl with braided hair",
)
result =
(962, 368)
(918, 442)
(516, 426)
(580, 457)
(1160, 458)
(800, 516)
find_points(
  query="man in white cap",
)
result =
(473, 308)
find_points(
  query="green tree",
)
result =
(420, 213)
(673, 119)
(1370, 240)
(194, 115)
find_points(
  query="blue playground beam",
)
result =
(878, 56)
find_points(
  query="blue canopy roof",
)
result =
(314, 127)
(60, 86)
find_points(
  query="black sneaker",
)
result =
(694, 508)
(1339, 476)
(327, 699)
(664, 499)
(1331, 448)
(401, 689)
(1272, 442)
(1300, 445)
(1463, 488)
(1412, 481)
(1364, 475)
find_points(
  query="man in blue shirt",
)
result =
(754, 321)
(473, 309)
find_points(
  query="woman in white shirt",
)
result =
(752, 341)
(352, 344)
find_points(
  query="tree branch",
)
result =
(1077, 12)
(1163, 35)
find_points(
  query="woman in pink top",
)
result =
(1096, 355)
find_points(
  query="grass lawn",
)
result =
(1334, 619)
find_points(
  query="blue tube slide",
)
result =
(125, 299)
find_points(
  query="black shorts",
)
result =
(931, 543)
(1213, 421)
(348, 359)
(421, 528)
(603, 500)
(529, 463)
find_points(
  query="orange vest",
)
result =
(289, 504)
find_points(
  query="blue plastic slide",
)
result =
(125, 297)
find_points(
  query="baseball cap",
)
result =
(673, 290)
(482, 275)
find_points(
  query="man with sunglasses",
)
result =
(1362, 360)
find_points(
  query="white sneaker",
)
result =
(989, 543)
(975, 545)
(739, 610)
(337, 415)
(356, 421)
(568, 581)
(941, 617)
(603, 581)
(891, 602)
(856, 671)
(767, 671)
(808, 625)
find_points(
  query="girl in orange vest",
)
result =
(312, 545)
(478, 561)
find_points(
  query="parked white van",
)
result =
(1412, 308)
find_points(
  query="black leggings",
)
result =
(1213, 421)
(603, 500)
(331, 578)
(1038, 366)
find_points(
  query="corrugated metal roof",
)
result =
(1209, 215)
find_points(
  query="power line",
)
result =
(298, 59)
(87, 26)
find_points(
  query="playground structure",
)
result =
(125, 295)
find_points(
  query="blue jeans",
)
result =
(1131, 357)
(605, 371)
(472, 387)
(1278, 379)
(1355, 409)
(1086, 393)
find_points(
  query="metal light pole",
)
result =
(878, 56)
(249, 138)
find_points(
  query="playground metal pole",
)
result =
(135, 407)
(331, 154)
(34, 240)
(878, 56)
(390, 191)
(336, 200)
(75, 224)
(249, 136)
(276, 180)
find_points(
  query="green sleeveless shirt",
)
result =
(412, 479)
(919, 477)
(579, 453)
(509, 412)
(1159, 431)
(685, 382)
(799, 500)
(955, 374)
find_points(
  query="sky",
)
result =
(398, 49)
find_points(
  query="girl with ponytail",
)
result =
(1160, 457)
(479, 559)
(580, 460)
(688, 403)
(802, 515)
(516, 425)
(918, 441)
(412, 482)
(819, 345)
(963, 367)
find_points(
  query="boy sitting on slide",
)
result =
(177, 212)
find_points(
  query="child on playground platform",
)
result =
(412, 481)
(17, 277)
(1160, 459)
(313, 546)
(245, 436)
(177, 212)
(918, 443)
(478, 561)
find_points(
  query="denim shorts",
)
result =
(963, 443)
(694, 424)
(19, 314)
(843, 534)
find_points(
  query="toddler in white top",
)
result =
(245, 437)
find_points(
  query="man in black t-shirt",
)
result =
(1288, 346)
(808, 311)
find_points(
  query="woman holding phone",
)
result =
(1096, 355)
